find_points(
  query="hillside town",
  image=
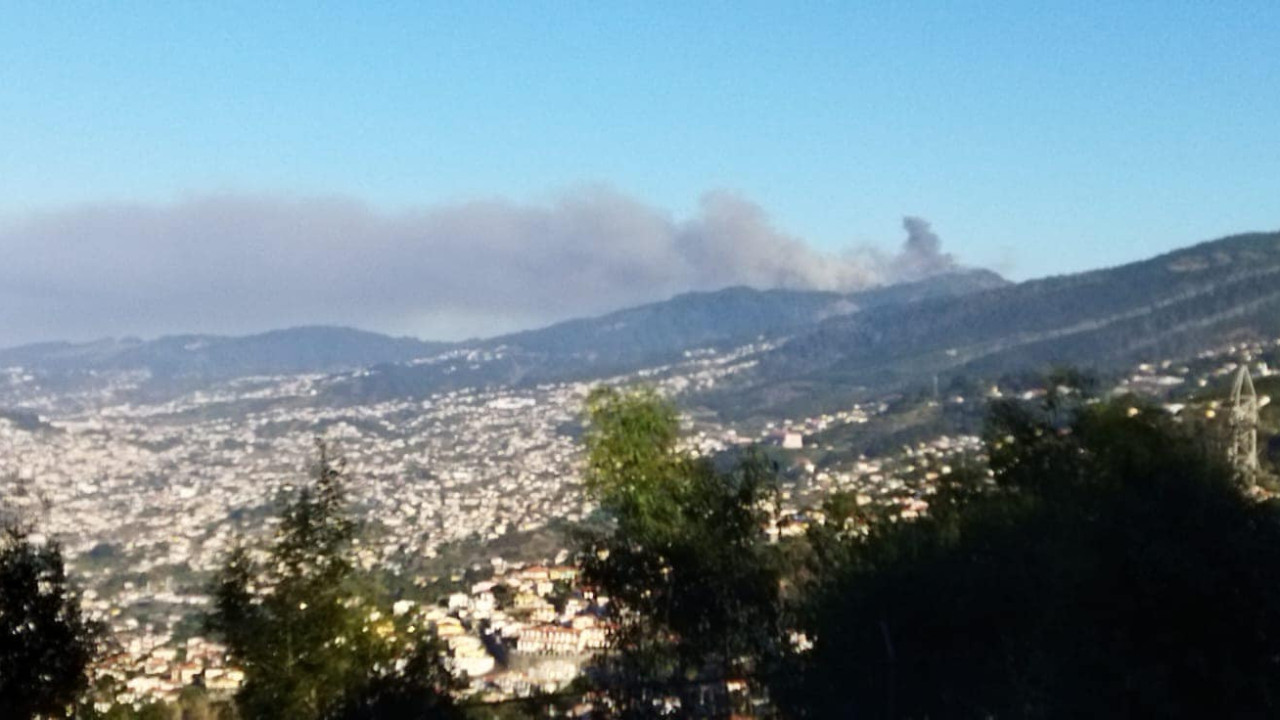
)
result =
(147, 497)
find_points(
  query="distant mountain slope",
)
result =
(634, 338)
(617, 342)
(303, 349)
(736, 314)
(1171, 305)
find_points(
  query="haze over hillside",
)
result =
(223, 264)
(817, 346)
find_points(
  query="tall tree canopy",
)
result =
(46, 642)
(311, 643)
(692, 582)
(1106, 566)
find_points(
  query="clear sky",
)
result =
(1037, 137)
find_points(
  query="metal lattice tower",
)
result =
(1243, 448)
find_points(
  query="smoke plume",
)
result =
(922, 254)
(237, 263)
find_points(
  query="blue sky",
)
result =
(1037, 137)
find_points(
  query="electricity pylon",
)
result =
(1242, 449)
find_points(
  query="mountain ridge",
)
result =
(1171, 305)
(624, 338)
(298, 349)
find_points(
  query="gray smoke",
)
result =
(238, 263)
(922, 254)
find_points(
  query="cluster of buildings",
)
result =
(528, 629)
(1175, 381)
(148, 668)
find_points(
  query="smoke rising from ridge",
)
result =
(922, 253)
(238, 263)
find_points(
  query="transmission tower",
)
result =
(1243, 448)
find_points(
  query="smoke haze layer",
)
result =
(240, 263)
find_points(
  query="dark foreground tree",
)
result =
(412, 689)
(1108, 567)
(299, 622)
(46, 643)
(691, 580)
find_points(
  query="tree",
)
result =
(1107, 566)
(301, 626)
(411, 690)
(46, 642)
(693, 585)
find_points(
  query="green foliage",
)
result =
(692, 582)
(1108, 567)
(46, 643)
(632, 464)
(300, 624)
(412, 689)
